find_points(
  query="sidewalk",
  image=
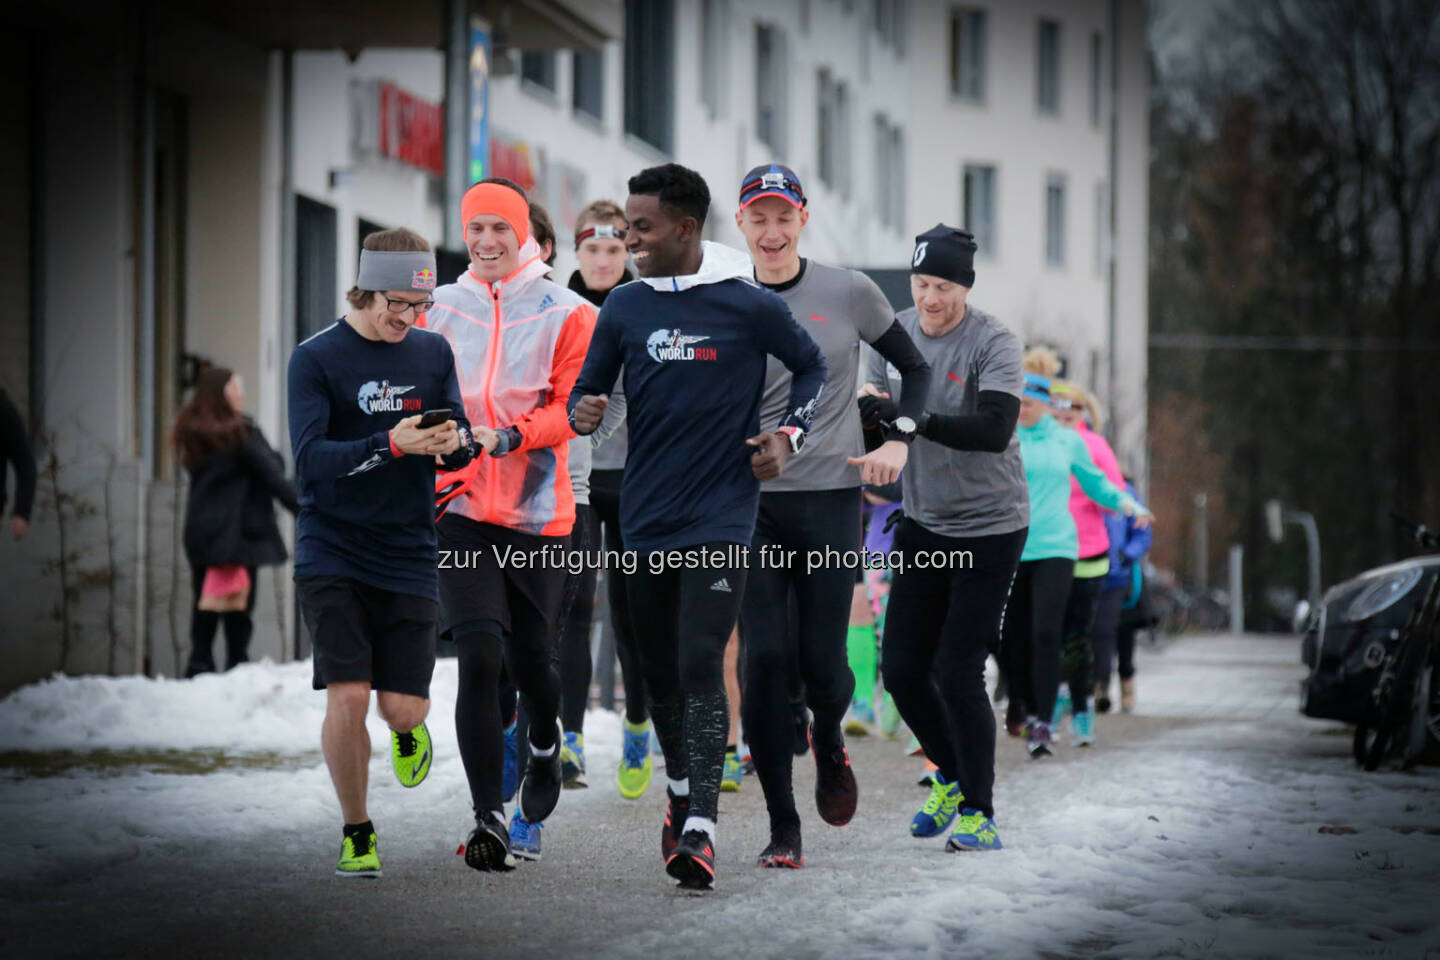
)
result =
(1215, 821)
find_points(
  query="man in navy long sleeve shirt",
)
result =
(692, 336)
(365, 553)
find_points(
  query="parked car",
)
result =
(1345, 642)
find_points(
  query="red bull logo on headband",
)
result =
(422, 280)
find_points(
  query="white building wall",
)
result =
(1065, 305)
(722, 148)
(380, 189)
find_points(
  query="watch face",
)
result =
(905, 424)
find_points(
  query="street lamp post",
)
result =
(1276, 516)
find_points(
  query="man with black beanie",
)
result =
(965, 499)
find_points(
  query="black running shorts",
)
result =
(363, 634)
(490, 572)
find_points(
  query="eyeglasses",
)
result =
(400, 306)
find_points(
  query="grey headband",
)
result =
(407, 270)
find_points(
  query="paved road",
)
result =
(1226, 707)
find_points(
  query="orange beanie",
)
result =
(497, 200)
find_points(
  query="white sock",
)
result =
(545, 753)
(704, 824)
(499, 814)
(680, 788)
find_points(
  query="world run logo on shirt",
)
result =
(381, 397)
(663, 345)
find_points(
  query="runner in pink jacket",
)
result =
(1077, 409)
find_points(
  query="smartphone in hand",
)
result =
(433, 418)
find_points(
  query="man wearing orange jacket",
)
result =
(519, 343)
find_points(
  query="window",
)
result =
(770, 87)
(834, 141)
(1102, 229)
(588, 83)
(890, 24)
(1097, 73)
(649, 73)
(538, 67)
(1055, 221)
(1047, 90)
(979, 212)
(967, 55)
(714, 54)
(890, 173)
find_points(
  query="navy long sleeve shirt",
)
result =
(694, 365)
(364, 512)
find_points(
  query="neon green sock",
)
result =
(860, 651)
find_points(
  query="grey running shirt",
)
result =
(585, 451)
(838, 308)
(960, 493)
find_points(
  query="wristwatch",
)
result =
(904, 429)
(795, 435)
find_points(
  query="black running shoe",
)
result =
(836, 792)
(675, 814)
(784, 849)
(693, 861)
(540, 790)
(489, 845)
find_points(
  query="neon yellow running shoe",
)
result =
(358, 862)
(732, 774)
(939, 810)
(974, 831)
(410, 755)
(636, 767)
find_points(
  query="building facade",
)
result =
(199, 180)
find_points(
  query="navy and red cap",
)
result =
(772, 180)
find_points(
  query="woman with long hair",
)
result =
(230, 527)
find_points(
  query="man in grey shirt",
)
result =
(809, 518)
(967, 511)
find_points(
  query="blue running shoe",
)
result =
(1083, 726)
(572, 761)
(1063, 707)
(939, 810)
(510, 777)
(973, 831)
(525, 837)
(636, 767)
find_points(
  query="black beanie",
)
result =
(945, 252)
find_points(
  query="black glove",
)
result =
(875, 409)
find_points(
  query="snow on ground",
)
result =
(261, 719)
(1214, 822)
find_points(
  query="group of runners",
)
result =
(722, 417)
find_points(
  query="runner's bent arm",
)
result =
(784, 339)
(614, 413)
(896, 347)
(602, 361)
(549, 423)
(999, 378)
(317, 459)
(989, 428)
(1093, 481)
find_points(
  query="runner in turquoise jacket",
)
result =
(1035, 614)
(1052, 454)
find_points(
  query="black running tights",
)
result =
(1034, 621)
(688, 618)
(940, 626)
